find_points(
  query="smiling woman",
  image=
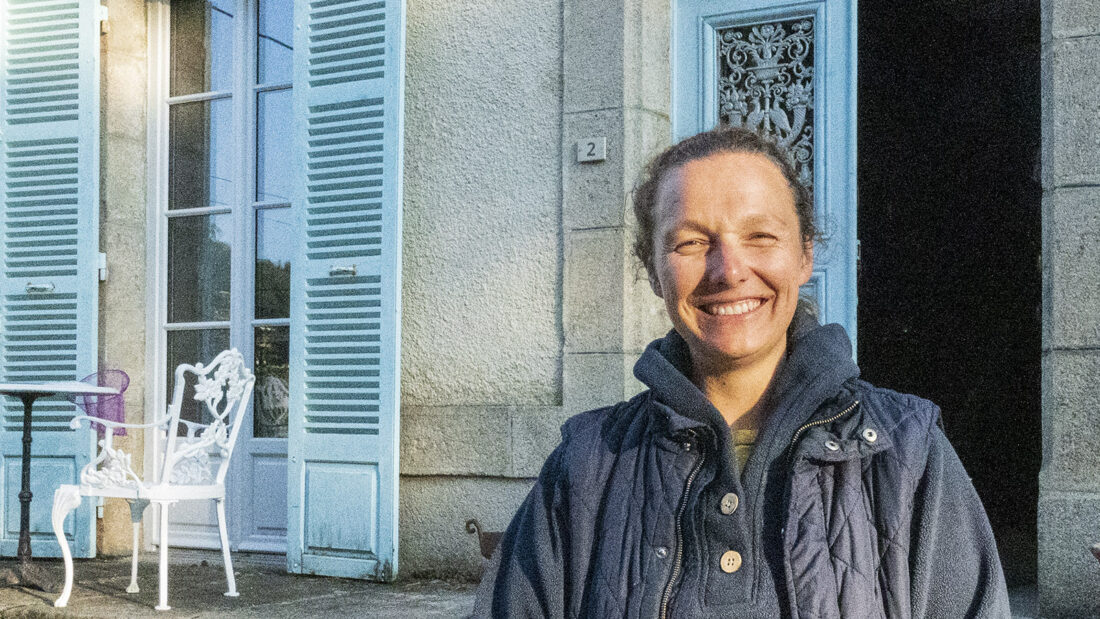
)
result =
(728, 263)
(758, 476)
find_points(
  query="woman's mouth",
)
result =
(732, 309)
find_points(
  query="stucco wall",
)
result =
(482, 248)
(482, 262)
(1069, 482)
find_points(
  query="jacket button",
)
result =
(731, 561)
(832, 445)
(729, 503)
(870, 435)
(662, 552)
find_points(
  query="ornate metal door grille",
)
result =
(765, 83)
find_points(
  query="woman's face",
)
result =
(729, 258)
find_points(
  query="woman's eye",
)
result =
(689, 245)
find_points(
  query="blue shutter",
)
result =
(825, 106)
(49, 226)
(345, 312)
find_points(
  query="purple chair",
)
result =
(107, 407)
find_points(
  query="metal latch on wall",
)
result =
(103, 23)
(102, 268)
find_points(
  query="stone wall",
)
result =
(1069, 497)
(520, 304)
(122, 301)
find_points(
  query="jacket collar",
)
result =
(818, 362)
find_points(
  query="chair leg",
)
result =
(163, 572)
(230, 580)
(137, 508)
(65, 499)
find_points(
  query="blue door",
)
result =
(49, 221)
(345, 314)
(786, 69)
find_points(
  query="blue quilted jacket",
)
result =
(852, 504)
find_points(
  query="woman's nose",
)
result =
(725, 263)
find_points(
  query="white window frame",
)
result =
(244, 209)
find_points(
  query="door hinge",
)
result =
(103, 23)
(102, 267)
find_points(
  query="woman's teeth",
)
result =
(733, 309)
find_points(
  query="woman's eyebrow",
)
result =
(684, 225)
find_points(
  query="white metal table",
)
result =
(27, 575)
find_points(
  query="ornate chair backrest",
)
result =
(222, 390)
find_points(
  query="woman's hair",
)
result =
(699, 146)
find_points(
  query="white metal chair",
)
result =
(183, 469)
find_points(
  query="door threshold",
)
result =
(190, 556)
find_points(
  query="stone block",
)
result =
(1069, 523)
(1071, 416)
(593, 192)
(124, 244)
(433, 513)
(456, 440)
(1047, 96)
(1047, 262)
(646, 68)
(593, 55)
(122, 338)
(646, 134)
(1072, 261)
(594, 380)
(1070, 18)
(123, 181)
(592, 298)
(481, 293)
(535, 433)
(645, 315)
(127, 32)
(125, 86)
(1072, 93)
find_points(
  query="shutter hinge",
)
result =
(103, 24)
(102, 267)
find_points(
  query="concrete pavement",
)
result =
(197, 584)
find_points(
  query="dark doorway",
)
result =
(949, 220)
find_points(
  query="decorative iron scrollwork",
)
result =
(765, 83)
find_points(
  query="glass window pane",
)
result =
(192, 347)
(198, 267)
(200, 154)
(274, 158)
(272, 377)
(274, 51)
(275, 243)
(201, 46)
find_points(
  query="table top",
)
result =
(69, 386)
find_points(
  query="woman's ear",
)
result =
(807, 262)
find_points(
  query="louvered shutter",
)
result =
(49, 222)
(345, 312)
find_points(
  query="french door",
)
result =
(225, 235)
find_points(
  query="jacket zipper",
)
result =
(798, 433)
(666, 597)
